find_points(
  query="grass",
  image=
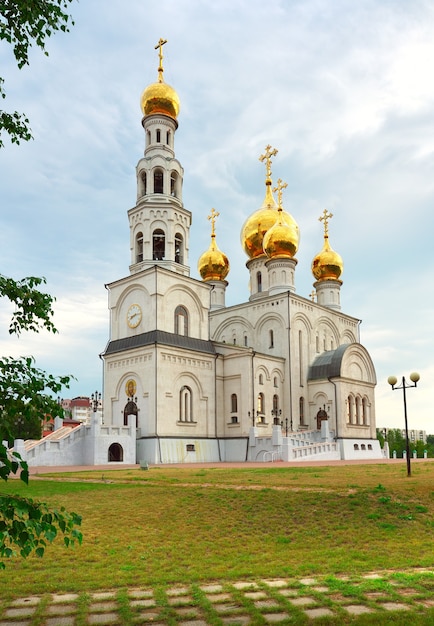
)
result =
(170, 525)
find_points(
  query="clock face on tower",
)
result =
(134, 316)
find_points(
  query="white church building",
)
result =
(189, 379)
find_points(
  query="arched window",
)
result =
(259, 281)
(365, 412)
(301, 410)
(185, 404)
(158, 135)
(271, 339)
(234, 403)
(168, 138)
(148, 138)
(158, 245)
(261, 403)
(143, 178)
(358, 410)
(245, 341)
(158, 181)
(139, 247)
(179, 249)
(350, 402)
(181, 321)
(275, 383)
(261, 379)
(173, 184)
(130, 409)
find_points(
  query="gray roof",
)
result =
(159, 337)
(328, 364)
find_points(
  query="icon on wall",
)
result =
(130, 388)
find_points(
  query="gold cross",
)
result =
(160, 45)
(269, 152)
(212, 217)
(326, 216)
(280, 187)
(312, 296)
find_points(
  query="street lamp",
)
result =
(275, 413)
(96, 397)
(392, 380)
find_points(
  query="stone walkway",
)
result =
(278, 601)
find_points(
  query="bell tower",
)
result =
(159, 223)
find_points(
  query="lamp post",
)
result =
(275, 413)
(96, 397)
(392, 380)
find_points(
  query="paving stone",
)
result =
(372, 576)
(60, 621)
(178, 591)
(288, 592)
(211, 588)
(194, 622)
(303, 600)
(308, 581)
(25, 611)
(180, 600)
(64, 597)
(147, 616)
(226, 608)
(140, 593)
(394, 606)
(320, 612)
(255, 595)
(30, 601)
(245, 585)
(102, 607)
(275, 583)
(103, 618)
(357, 609)
(219, 597)
(320, 589)
(272, 618)
(239, 619)
(145, 602)
(266, 604)
(191, 611)
(15, 623)
(61, 609)
(103, 595)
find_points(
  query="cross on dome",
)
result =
(160, 45)
(269, 152)
(326, 216)
(280, 187)
(212, 217)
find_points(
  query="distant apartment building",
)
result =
(413, 435)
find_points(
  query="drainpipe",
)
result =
(289, 356)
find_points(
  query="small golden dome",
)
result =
(255, 226)
(328, 264)
(160, 97)
(213, 264)
(281, 240)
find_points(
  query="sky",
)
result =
(343, 90)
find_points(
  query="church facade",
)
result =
(278, 376)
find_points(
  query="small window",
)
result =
(190, 447)
(173, 181)
(168, 138)
(259, 281)
(261, 379)
(261, 404)
(185, 404)
(234, 403)
(369, 446)
(179, 244)
(245, 341)
(143, 178)
(363, 447)
(181, 321)
(271, 339)
(234, 419)
(158, 245)
(158, 136)
(158, 181)
(139, 247)
(356, 446)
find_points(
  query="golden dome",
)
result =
(160, 97)
(255, 226)
(213, 264)
(328, 264)
(281, 241)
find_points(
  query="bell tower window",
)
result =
(259, 281)
(158, 181)
(143, 179)
(158, 136)
(179, 257)
(158, 245)
(139, 247)
(173, 184)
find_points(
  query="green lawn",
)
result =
(170, 525)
